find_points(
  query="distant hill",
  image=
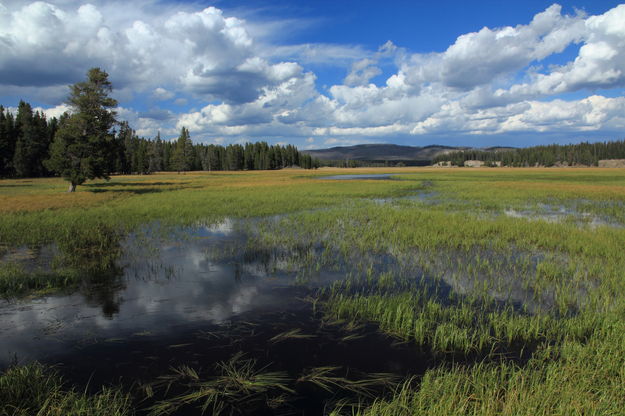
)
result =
(497, 148)
(381, 152)
(580, 154)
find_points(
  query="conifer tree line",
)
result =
(587, 154)
(26, 138)
(139, 155)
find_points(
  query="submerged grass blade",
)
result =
(292, 334)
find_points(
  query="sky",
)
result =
(323, 73)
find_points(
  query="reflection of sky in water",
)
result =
(448, 272)
(558, 214)
(180, 285)
(207, 275)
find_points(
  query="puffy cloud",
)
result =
(163, 94)
(588, 114)
(320, 53)
(592, 113)
(148, 124)
(365, 69)
(599, 64)
(362, 71)
(39, 39)
(480, 57)
(56, 111)
(276, 103)
(493, 81)
(202, 52)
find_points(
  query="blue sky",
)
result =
(327, 73)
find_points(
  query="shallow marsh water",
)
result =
(198, 295)
(209, 275)
(195, 296)
(572, 213)
(161, 284)
(465, 293)
(201, 294)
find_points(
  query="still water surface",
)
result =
(206, 276)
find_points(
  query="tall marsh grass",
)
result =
(525, 316)
(35, 389)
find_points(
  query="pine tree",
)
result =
(124, 138)
(82, 144)
(155, 154)
(181, 157)
(143, 166)
(7, 142)
(25, 137)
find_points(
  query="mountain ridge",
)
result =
(390, 152)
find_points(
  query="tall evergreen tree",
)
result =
(142, 160)
(181, 158)
(32, 142)
(7, 142)
(213, 157)
(25, 138)
(167, 153)
(82, 144)
(155, 154)
(124, 138)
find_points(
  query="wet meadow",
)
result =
(396, 291)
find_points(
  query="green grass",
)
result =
(571, 379)
(525, 317)
(15, 281)
(38, 390)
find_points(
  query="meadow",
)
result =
(509, 282)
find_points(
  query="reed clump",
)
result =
(35, 389)
(240, 387)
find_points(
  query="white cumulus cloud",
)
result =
(494, 81)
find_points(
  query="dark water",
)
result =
(195, 297)
(163, 285)
(200, 295)
(199, 275)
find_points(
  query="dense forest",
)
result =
(25, 140)
(587, 154)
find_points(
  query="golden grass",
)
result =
(28, 195)
(28, 203)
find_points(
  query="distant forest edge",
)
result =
(582, 154)
(25, 140)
